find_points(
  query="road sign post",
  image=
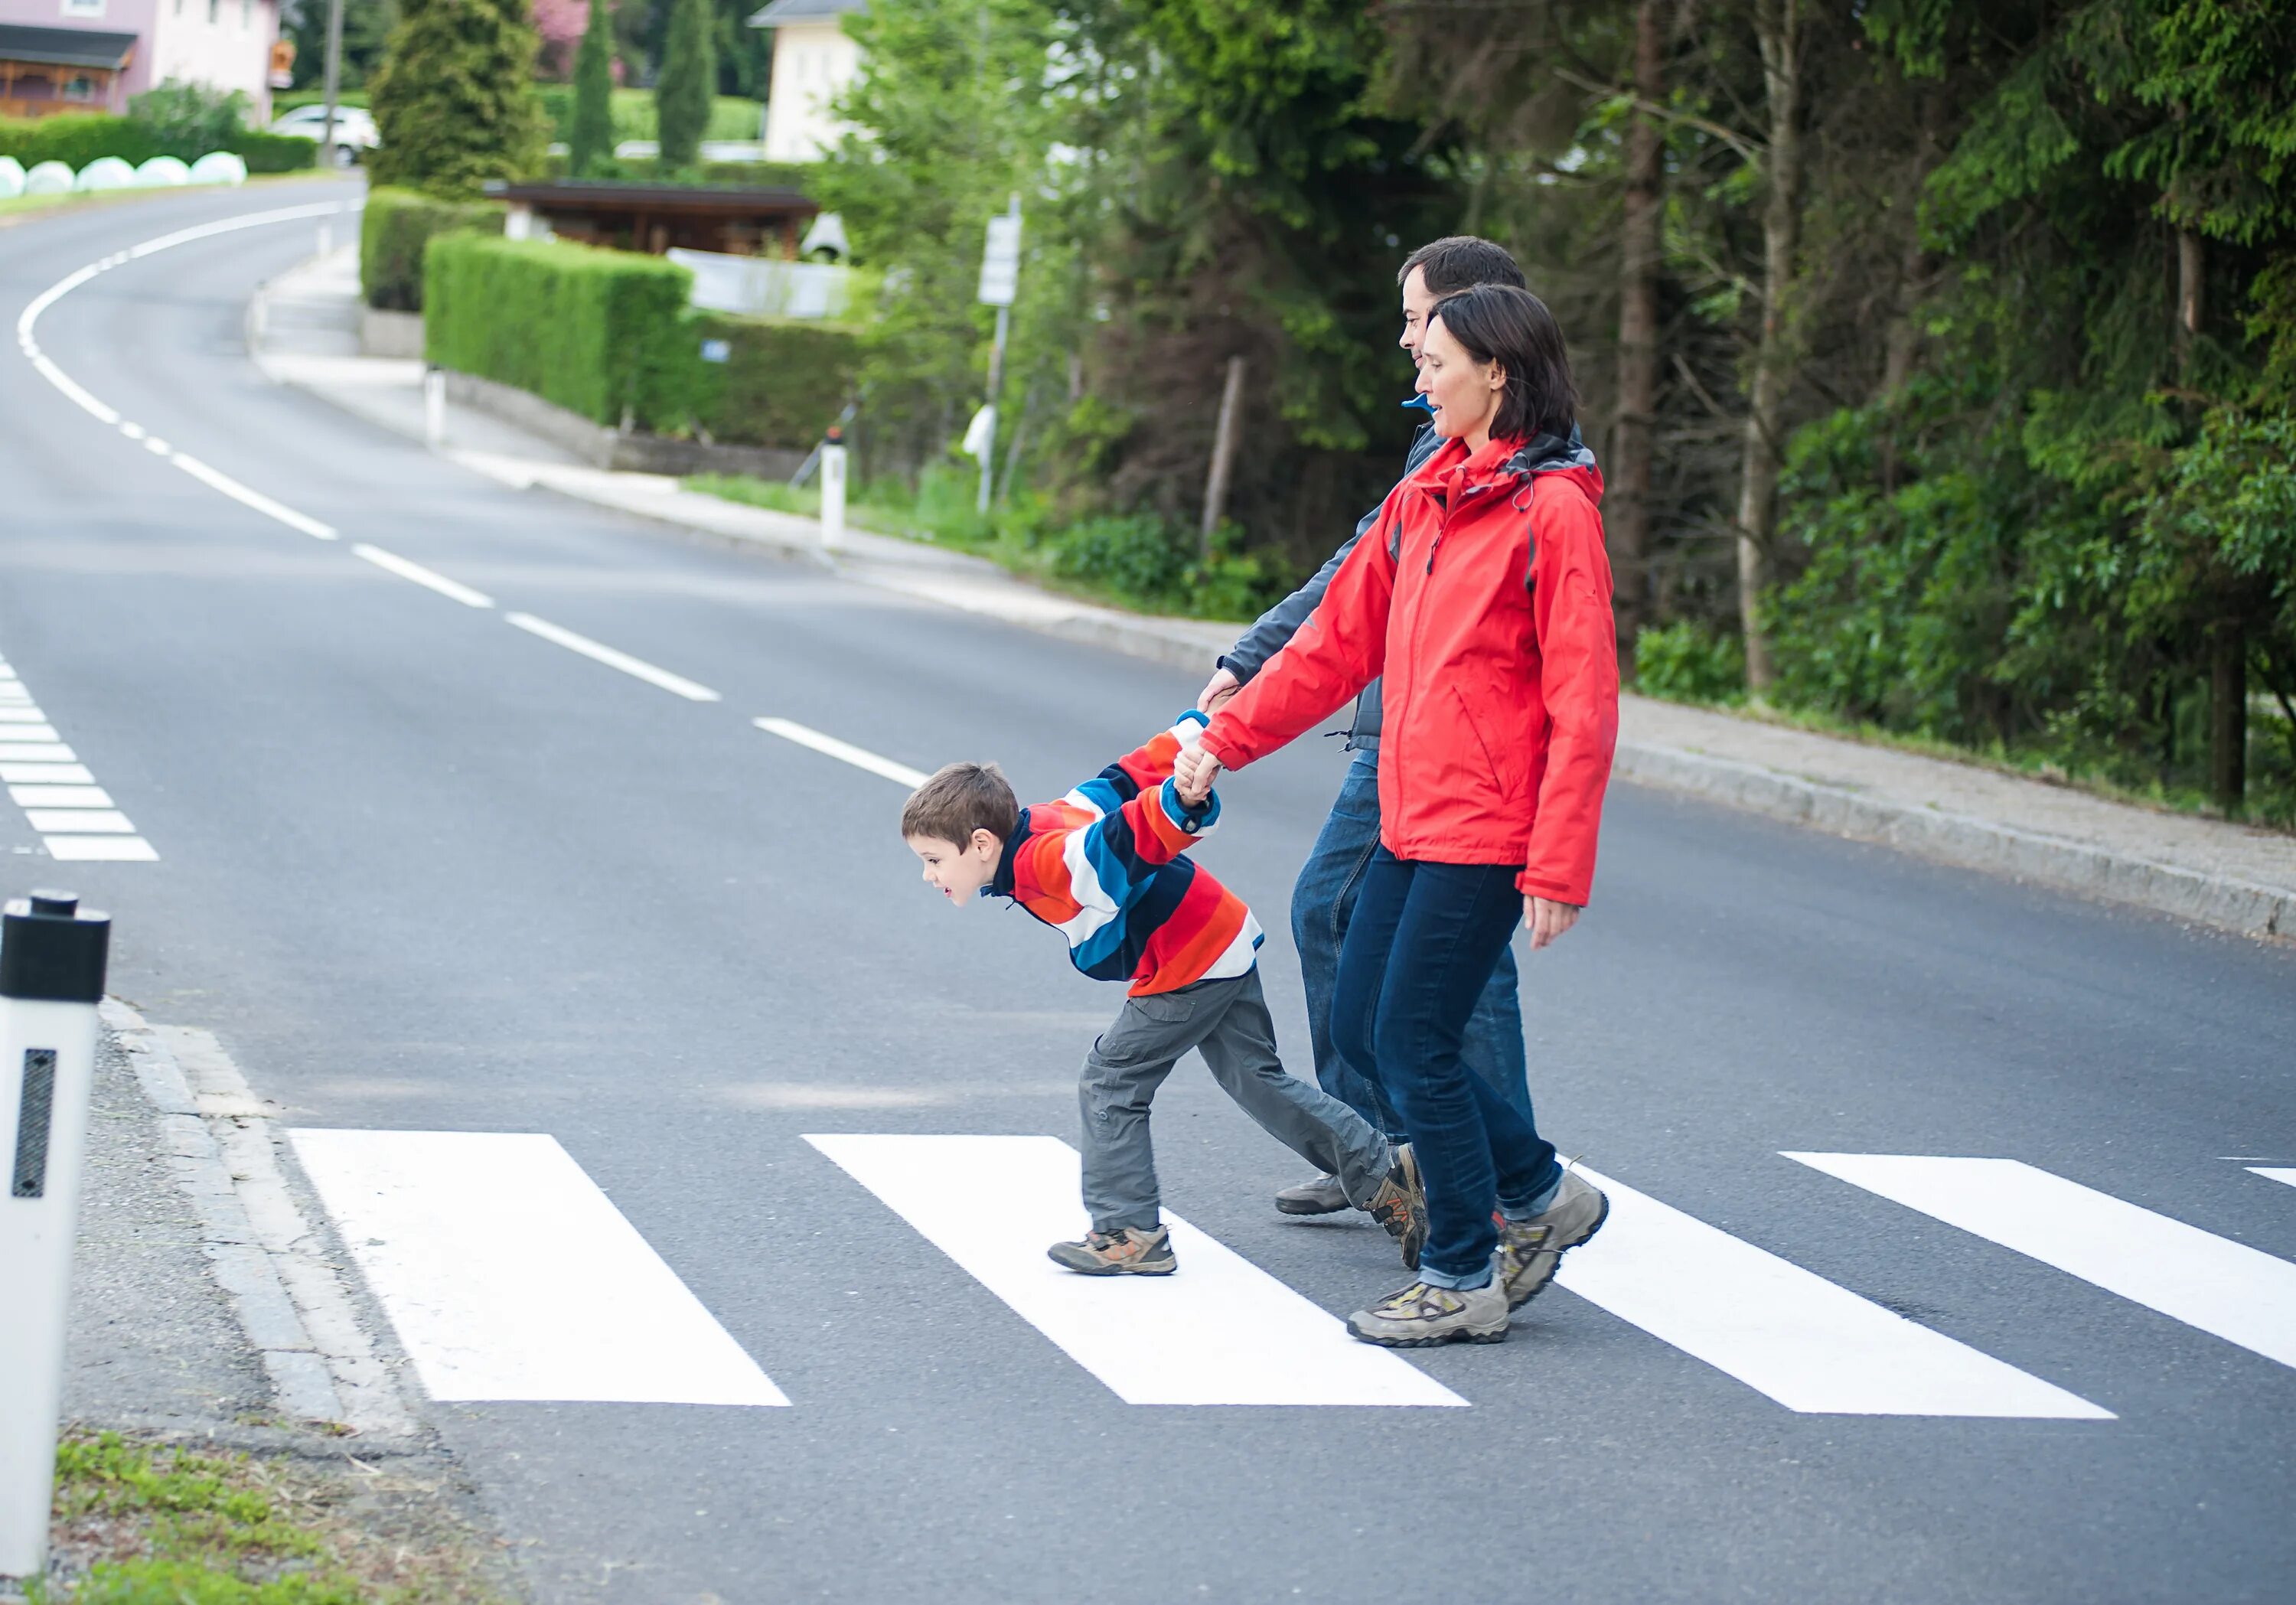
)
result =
(52, 964)
(1000, 278)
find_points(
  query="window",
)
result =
(215, 12)
(81, 88)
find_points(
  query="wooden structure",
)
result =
(654, 218)
(45, 70)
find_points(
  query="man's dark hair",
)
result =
(1508, 325)
(960, 800)
(1458, 262)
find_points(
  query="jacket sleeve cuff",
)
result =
(1531, 883)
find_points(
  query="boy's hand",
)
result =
(1218, 691)
(1193, 773)
(1546, 919)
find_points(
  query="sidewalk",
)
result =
(302, 329)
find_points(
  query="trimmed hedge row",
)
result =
(608, 335)
(393, 231)
(77, 139)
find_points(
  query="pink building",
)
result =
(90, 55)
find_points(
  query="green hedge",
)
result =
(608, 335)
(396, 226)
(731, 116)
(724, 175)
(77, 140)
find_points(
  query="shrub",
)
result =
(682, 97)
(397, 226)
(175, 128)
(731, 116)
(1685, 662)
(75, 141)
(603, 333)
(782, 383)
(453, 101)
(591, 139)
(189, 120)
(273, 152)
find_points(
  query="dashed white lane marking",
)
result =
(421, 575)
(27, 340)
(599, 653)
(75, 818)
(508, 1274)
(860, 758)
(2276, 1172)
(1810, 1343)
(2228, 1289)
(1219, 1331)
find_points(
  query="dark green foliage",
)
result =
(366, 28)
(274, 152)
(453, 101)
(394, 230)
(591, 139)
(77, 141)
(689, 79)
(608, 335)
(188, 121)
(1688, 662)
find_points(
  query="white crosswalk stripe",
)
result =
(1219, 1331)
(73, 816)
(2276, 1172)
(2240, 1294)
(1808, 1343)
(509, 1275)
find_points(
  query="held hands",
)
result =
(1219, 691)
(1193, 773)
(1545, 919)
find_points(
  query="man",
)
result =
(1323, 898)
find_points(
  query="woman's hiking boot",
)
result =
(1420, 1316)
(1400, 1206)
(1127, 1251)
(1322, 1196)
(1530, 1250)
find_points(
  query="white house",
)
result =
(813, 62)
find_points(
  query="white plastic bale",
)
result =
(105, 173)
(48, 178)
(12, 178)
(162, 171)
(218, 166)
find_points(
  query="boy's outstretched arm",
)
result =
(1143, 824)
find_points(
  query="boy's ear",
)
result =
(984, 840)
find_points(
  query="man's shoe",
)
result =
(1127, 1251)
(1420, 1316)
(1530, 1251)
(1322, 1196)
(1400, 1206)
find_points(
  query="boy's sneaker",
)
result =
(1400, 1206)
(1420, 1316)
(1530, 1251)
(1127, 1251)
(1322, 1196)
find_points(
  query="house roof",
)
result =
(65, 46)
(804, 11)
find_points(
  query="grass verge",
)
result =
(142, 1522)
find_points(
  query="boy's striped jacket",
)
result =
(1102, 866)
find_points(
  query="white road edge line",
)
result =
(27, 321)
(453, 589)
(860, 758)
(599, 653)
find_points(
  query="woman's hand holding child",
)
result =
(1193, 773)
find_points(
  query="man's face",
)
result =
(958, 870)
(1418, 302)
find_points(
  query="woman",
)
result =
(1486, 604)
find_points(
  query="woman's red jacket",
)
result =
(1484, 599)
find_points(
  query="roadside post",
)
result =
(833, 489)
(434, 408)
(1000, 277)
(52, 964)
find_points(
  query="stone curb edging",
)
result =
(222, 1146)
(1969, 842)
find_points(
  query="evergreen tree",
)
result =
(593, 134)
(453, 100)
(682, 96)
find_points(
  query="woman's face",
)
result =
(1465, 393)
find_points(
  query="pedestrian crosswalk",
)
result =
(509, 1275)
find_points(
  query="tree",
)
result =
(684, 93)
(367, 26)
(591, 140)
(453, 101)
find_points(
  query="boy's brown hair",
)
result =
(960, 800)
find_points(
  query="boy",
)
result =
(1103, 867)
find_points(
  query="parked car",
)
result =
(354, 129)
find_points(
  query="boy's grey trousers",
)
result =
(1227, 1020)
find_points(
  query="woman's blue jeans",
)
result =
(1323, 902)
(1419, 952)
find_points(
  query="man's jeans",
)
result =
(1226, 1021)
(1419, 953)
(1323, 902)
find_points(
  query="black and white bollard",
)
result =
(52, 962)
(833, 490)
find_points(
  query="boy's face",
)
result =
(958, 870)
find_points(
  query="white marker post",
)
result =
(434, 408)
(52, 964)
(833, 490)
(1000, 280)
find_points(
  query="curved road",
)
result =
(423, 871)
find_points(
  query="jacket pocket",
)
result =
(1499, 770)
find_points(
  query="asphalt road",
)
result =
(423, 871)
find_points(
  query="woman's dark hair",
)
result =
(1511, 327)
